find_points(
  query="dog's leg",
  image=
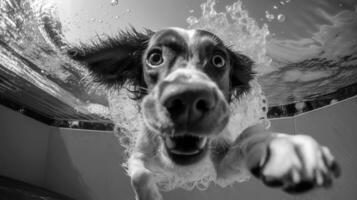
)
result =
(141, 179)
(296, 163)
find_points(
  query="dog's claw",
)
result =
(301, 187)
(336, 169)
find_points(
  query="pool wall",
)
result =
(85, 164)
(23, 147)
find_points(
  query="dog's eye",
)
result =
(155, 58)
(218, 61)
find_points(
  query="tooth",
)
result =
(202, 143)
(170, 144)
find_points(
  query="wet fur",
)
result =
(117, 62)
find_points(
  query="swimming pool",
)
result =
(305, 52)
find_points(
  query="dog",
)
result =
(190, 87)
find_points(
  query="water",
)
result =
(292, 70)
(30, 59)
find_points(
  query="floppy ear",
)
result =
(241, 73)
(115, 61)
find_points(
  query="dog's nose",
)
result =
(188, 102)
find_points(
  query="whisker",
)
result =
(143, 88)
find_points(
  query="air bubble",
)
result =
(281, 18)
(270, 17)
(114, 2)
(192, 20)
(299, 106)
(333, 101)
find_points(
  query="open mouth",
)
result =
(186, 149)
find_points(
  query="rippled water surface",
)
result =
(305, 51)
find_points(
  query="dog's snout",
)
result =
(188, 102)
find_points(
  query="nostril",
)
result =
(202, 105)
(175, 106)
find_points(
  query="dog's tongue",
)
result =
(185, 144)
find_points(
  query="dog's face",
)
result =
(185, 79)
(187, 74)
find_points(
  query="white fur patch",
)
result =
(184, 32)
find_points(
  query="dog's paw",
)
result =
(144, 186)
(297, 164)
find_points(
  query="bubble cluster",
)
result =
(270, 17)
(279, 17)
(192, 20)
(236, 29)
